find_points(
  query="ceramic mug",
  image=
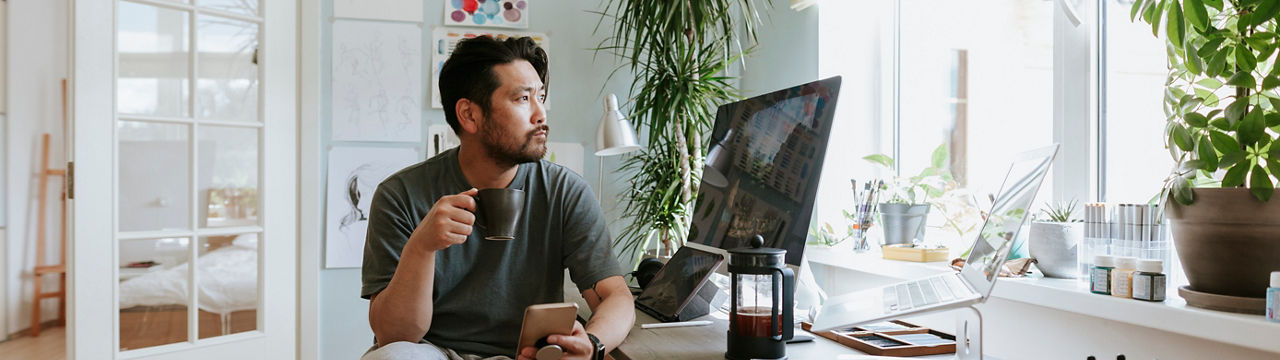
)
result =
(498, 212)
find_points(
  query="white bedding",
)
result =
(228, 281)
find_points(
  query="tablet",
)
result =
(678, 283)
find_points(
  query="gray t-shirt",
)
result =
(483, 286)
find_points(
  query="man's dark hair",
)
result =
(468, 73)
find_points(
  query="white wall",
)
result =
(37, 59)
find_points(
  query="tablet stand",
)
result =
(969, 334)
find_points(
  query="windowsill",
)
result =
(1172, 315)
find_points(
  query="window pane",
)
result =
(153, 292)
(227, 88)
(155, 181)
(228, 283)
(248, 7)
(153, 53)
(1136, 161)
(983, 89)
(228, 172)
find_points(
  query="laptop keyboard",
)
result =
(923, 292)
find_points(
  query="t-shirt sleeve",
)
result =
(588, 247)
(390, 224)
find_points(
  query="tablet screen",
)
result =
(676, 283)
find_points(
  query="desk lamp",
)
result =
(614, 136)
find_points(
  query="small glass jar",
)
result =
(1100, 275)
(1149, 281)
(1122, 276)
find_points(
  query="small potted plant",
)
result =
(1054, 240)
(906, 201)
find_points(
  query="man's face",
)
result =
(515, 129)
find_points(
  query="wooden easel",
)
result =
(61, 267)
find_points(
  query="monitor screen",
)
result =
(763, 162)
(1009, 211)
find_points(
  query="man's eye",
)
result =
(524, 98)
(542, 98)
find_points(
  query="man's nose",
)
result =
(539, 113)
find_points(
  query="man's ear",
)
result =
(469, 116)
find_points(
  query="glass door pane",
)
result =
(153, 292)
(247, 7)
(228, 186)
(227, 85)
(228, 283)
(153, 50)
(155, 181)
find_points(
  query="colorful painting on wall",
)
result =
(487, 13)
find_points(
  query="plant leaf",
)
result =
(1260, 184)
(1196, 14)
(1270, 82)
(1242, 79)
(1230, 159)
(1182, 192)
(1245, 59)
(1175, 24)
(1196, 120)
(1236, 110)
(1135, 9)
(1215, 4)
(1207, 154)
(1224, 143)
(1220, 123)
(939, 158)
(881, 159)
(1179, 136)
(1210, 83)
(1236, 175)
(1266, 10)
(1252, 128)
(1219, 62)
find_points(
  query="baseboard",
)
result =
(43, 327)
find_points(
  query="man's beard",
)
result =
(508, 149)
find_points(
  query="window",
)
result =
(1134, 161)
(973, 76)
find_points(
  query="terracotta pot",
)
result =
(1228, 241)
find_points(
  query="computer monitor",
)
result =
(762, 169)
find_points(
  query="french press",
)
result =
(761, 302)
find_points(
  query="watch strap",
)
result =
(597, 347)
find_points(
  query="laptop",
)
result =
(952, 290)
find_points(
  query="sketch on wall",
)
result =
(444, 39)
(354, 174)
(377, 85)
(487, 13)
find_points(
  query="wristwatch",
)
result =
(597, 347)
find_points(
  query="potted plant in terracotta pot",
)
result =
(1054, 239)
(1223, 113)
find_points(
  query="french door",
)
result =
(184, 210)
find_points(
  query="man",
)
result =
(437, 289)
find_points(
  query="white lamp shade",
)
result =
(614, 135)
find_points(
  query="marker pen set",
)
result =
(1133, 230)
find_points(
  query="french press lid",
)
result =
(756, 255)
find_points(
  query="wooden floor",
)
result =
(50, 345)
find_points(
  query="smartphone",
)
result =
(541, 320)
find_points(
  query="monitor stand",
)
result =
(969, 334)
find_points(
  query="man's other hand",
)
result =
(577, 346)
(448, 223)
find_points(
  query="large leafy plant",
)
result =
(678, 52)
(1220, 100)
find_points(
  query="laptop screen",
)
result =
(1008, 212)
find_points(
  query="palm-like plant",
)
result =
(678, 52)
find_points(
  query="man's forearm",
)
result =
(612, 320)
(402, 311)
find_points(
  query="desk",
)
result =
(709, 342)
